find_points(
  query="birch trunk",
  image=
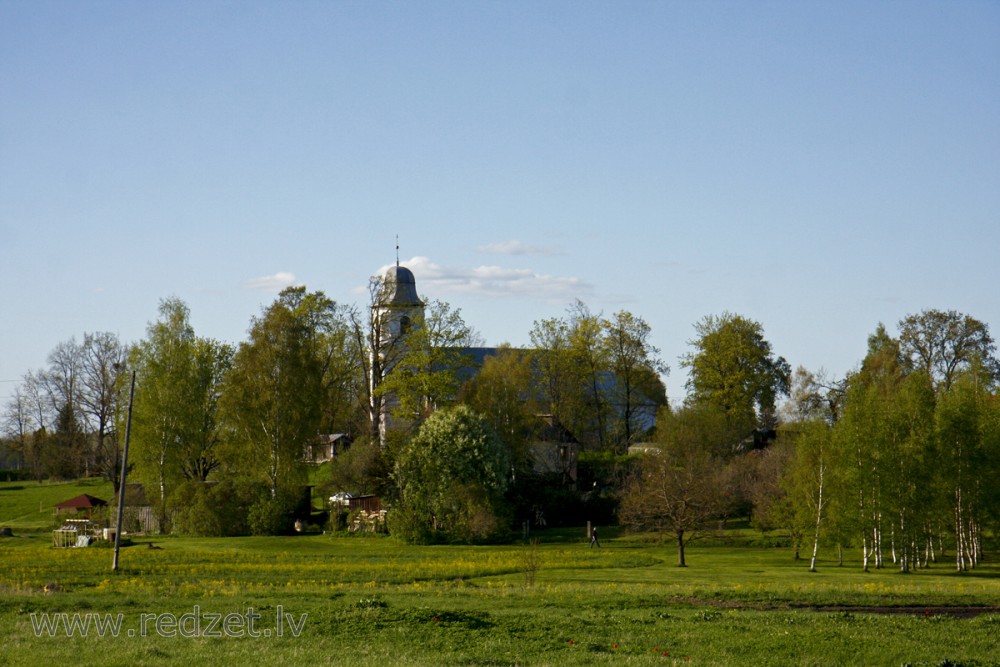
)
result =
(819, 518)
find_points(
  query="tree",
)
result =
(636, 367)
(813, 396)
(163, 418)
(734, 368)
(676, 491)
(273, 396)
(452, 476)
(573, 373)
(426, 374)
(550, 338)
(380, 337)
(27, 435)
(589, 364)
(680, 487)
(103, 366)
(943, 343)
(807, 482)
(199, 453)
(967, 423)
(501, 393)
(61, 383)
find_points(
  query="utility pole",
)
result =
(121, 485)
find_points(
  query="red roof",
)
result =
(82, 501)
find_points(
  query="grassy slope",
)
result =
(372, 601)
(29, 506)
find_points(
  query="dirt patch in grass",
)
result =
(954, 612)
(958, 611)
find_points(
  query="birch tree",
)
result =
(273, 396)
(162, 410)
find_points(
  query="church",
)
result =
(398, 311)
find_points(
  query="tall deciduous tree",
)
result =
(274, 394)
(589, 364)
(163, 419)
(942, 343)
(636, 365)
(967, 421)
(734, 368)
(25, 427)
(573, 373)
(62, 383)
(103, 367)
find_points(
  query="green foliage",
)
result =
(216, 509)
(734, 369)
(362, 469)
(501, 392)
(274, 396)
(426, 372)
(637, 368)
(175, 431)
(682, 486)
(943, 344)
(272, 516)
(452, 476)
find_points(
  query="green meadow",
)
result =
(323, 599)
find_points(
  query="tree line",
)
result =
(900, 459)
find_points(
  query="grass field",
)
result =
(374, 601)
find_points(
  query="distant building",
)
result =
(396, 312)
(398, 309)
(81, 504)
(327, 447)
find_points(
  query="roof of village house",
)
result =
(82, 501)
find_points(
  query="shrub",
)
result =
(216, 509)
(273, 516)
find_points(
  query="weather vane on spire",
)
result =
(397, 250)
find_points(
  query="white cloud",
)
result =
(515, 247)
(274, 283)
(494, 282)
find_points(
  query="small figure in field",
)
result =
(593, 538)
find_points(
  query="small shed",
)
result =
(81, 504)
(371, 504)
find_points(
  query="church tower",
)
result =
(396, 312)
(397, 308)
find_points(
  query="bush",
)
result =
(216, 509)
(273, 516)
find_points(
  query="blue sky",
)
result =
(819, 167)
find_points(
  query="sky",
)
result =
(818, 167)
